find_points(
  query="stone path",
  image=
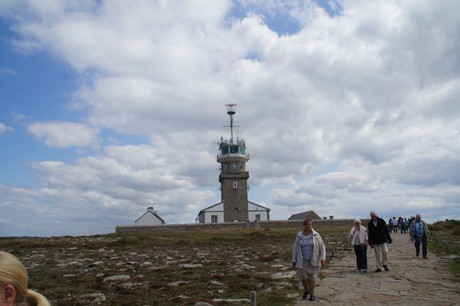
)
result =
(409, 281)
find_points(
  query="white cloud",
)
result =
(64, 134)
(118, 186)
(7, 72)
(4, 129)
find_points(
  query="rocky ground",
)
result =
(109, 270)
(222, 269)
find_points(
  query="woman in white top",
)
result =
(308, 255)
(358, 237)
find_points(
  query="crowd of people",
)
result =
(309, 251)
(400, 224)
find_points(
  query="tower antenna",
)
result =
(231, 111)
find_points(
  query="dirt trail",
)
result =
(410, 280)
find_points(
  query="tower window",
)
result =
(234, 149)
(235, 185)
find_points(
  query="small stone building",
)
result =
(149, 218)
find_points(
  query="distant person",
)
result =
(14, 284)
(394, 224)
(404, 226)
(418, 232)
(379, 238)
(390, 224)
(308, 255)
(358, 238)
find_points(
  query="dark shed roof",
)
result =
(304, 215)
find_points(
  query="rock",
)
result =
(92, 298)
(117, 278)
(247, 267)
(214, 282)
(178, 283)
(191, 266)
(281, 275)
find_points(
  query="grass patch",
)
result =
(274, 299)
(445, 240)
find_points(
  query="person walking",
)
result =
(379, 238)
(14, 284)
(358, 238)
(418, 232)
(308, 255)
(394, 225)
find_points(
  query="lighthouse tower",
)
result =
(233, 176)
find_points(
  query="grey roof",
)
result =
(304, 215)
(153, 213)
(207, 208)
(261, 206)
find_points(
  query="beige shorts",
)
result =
(308, 271)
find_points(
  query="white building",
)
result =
(215, 213)
(149, 218)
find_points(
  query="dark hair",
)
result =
(306, 220)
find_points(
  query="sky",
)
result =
(108, 107)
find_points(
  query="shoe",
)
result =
(312, 297)
(378, 270)
(424, 257)
(364, 271)
(385, 267)
(305, 295)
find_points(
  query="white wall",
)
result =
(262, 213)
(219, 214)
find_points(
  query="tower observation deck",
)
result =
(233, 175)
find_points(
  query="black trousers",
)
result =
(361, 256)
(417, 243)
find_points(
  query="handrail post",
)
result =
(253, 298)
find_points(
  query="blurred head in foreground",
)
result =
(14, 283)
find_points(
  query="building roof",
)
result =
(258, 205)
(208, 208)
(154, 214)
(305, 215)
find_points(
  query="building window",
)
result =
(235, 185)
(257, 217)
(214, 219)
